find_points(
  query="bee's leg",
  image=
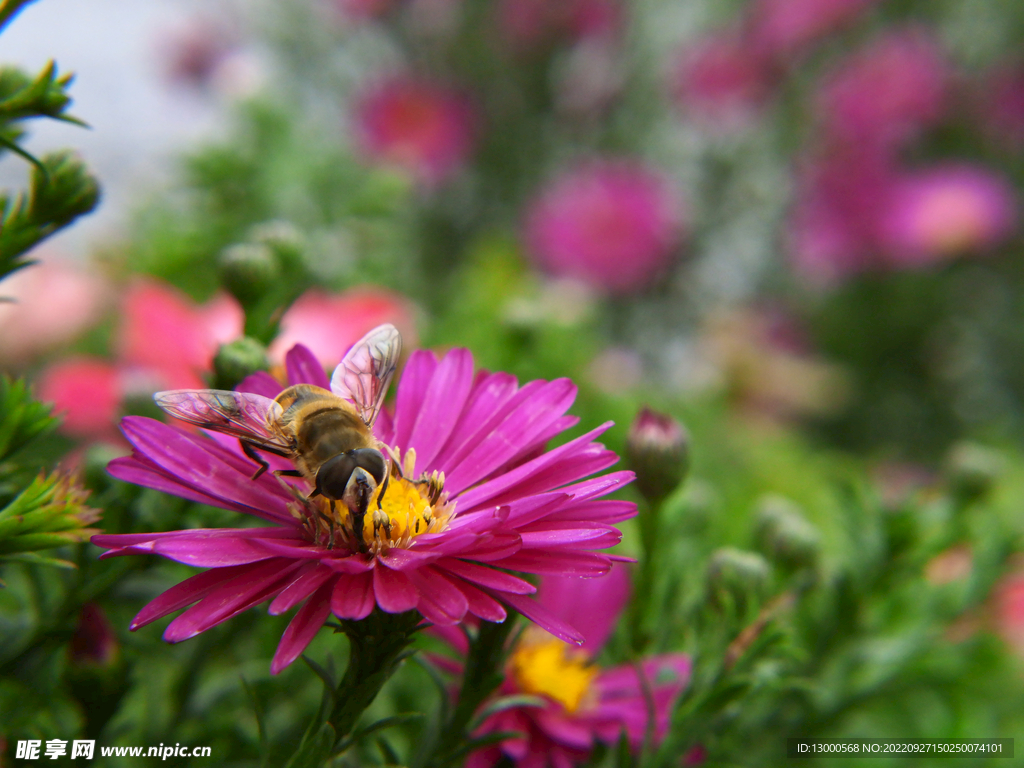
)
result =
(334, 515)
(250, 451)
(383, 489)
(287, 473)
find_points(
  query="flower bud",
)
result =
(94, 643)
(737, 573)
(283, 239)
(784, 534)
(972, 470)
(248, 271)
(659, 452)
(238, 359)
(65, 192)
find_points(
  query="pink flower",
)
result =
(886, 93)
(361, 10)
(86, 393)
(94, 643)
(168, 341)
(611, 224)
(722, 77)
(503, 503)
(1001, 97)
(531, 24)
(585, 703)
(417, 125)
(784, 28)
(328, 324)
(29, 325)
(945, 211)
(834, 225)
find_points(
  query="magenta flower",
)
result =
(887, 92)
(834, 229)
(584, 703)
(530, 24)
(1001, 106)
(611, 224)
(478, 496)
(722, 77)
(946, 211)
(784, 28)
(417, 125)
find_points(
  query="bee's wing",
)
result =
(363, 375)
(241, 414)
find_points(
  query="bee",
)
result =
(326, 434)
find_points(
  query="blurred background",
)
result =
(793, 225)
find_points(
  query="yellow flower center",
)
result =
(407, 509)
(549, 668)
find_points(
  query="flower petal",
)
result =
(231, 598)
(518, 431)
(187, 592)
(557, 562)
(353, 596)
(394, 591)
(303, 367)
(487, 491)
(307, 580)
(411, 391)
(260, 383)
(487, 577)
(442, 405)
(541, 616)
(441, 601)
(303, 628)
(590, 605)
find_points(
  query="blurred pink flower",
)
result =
(419, 126)
(611, 224)
(834, 225)
(167, 340)
(782, 28)
(887, 92)
(94, 643)
(195, 49)
(86, 392)
(29, 325)
(945, 211)
(360, 10)
(584, 702)
(1001, 98)
(722, 77)
(328, 324)
(529, 24)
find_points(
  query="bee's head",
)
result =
(352, 477)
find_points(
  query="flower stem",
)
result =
(376, 644)
(482, 675)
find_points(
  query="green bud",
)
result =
(784, 534)
(236, 360)
(972, 470)
(66, 191)
(283, 239)
(248, 271)
(658, 450)
(737, 574)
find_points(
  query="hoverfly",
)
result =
(326, 434)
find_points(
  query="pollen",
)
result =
(550, 668)
(408, 508)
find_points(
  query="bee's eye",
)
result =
(372, 461)
(333, 475)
